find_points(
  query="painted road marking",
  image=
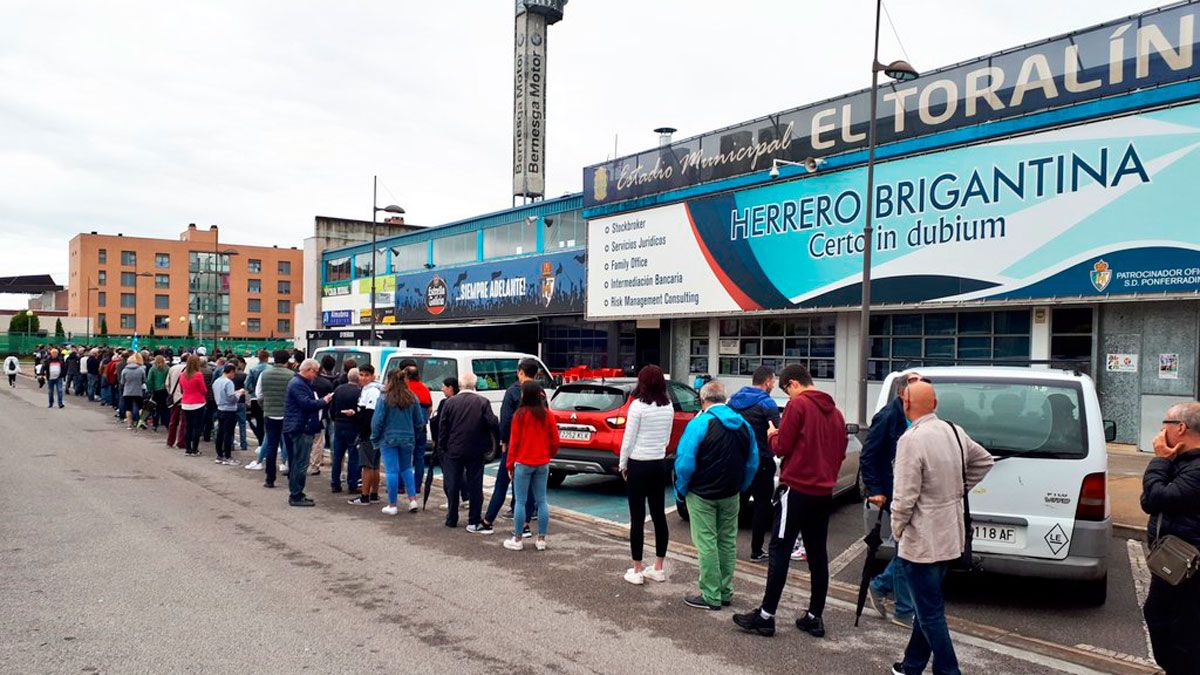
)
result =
(856, 550)
(1141, 582)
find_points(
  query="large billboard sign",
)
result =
(532, 285)
(1148, 50)
(1096, 210)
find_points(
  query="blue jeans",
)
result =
(397, 466)
(241, 425)
(299, 447)
(268, 454)
(500, 493)
(930, 636)
(890, 582)
(418, 460)
(93, 386)
(530, 479)
(345, 447)
(55, 385)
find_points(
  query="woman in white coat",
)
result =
(11, 368)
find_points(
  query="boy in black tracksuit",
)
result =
(754, 403)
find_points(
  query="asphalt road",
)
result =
(119, 555)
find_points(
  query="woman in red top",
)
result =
(193, 395)
(532, 443)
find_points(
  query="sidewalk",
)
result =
(1125, 468)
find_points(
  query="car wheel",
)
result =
(1094, 593)
(492, 455)
(556, 478)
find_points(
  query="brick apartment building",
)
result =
(135, 283)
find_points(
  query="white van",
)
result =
(1043, 511)
(495, 371)
(376, 356)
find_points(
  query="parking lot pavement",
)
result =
(120, 555)
(1035, 608)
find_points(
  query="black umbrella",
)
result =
(433, 461)
(873, 540)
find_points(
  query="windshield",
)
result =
(1030, 419)
(496, 374)
(587, 398)
(433, 369)
(339, 358)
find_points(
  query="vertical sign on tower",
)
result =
(529, 95)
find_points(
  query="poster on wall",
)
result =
(1168, 366)
(533, 285)
(1096, 210)
(1121, 363)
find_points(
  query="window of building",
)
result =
(745, 344)
(102, 278)
(254, 285)
(284, 307)
(102, 299)
(128, 322)
(285, 288)
(162, 322)
(460, 248)
(519, 238)
(102, 256)
(162, 281)
(698, 346)
(410, 257)
(284, 326)
(128, 258)
(1071, 337)
(162, 260)
(162, 302)
(129, 300)
(565, 230)
(254, 325)
(254, 305)
(254, 266)
(570, 341)
(337, 269)
(285, 267)
(128, 279)
(900, 341)
(362, 265)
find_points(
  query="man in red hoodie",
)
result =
(811, 441)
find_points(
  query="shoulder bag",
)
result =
(1172, 559)
(967, 560)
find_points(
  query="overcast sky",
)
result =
(140, 117)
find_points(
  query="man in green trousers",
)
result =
(714, 463)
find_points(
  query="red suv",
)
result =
(591, 424)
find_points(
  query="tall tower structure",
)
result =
(529, 97)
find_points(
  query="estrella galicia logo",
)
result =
(436, 295)
(1101, 275)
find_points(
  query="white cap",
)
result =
(201, 351)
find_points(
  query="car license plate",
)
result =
(997, 534)
(574, 435)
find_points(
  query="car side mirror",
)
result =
(557, 380)
(1110, 431)
(852, 429)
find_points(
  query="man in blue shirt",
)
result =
(300, 424)
(227, 396)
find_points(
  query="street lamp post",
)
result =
(902, 72)
(375, 209)
(200, 329)
(28, 322)
(88, 303)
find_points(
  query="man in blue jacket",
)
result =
(715, 462)
(300, 424)
(875, 462)
(761, 411)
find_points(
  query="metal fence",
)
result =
(21, 343)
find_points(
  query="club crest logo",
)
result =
(1101, 275)
(600, 184)
(547, 285)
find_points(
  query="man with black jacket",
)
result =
(467, 431)
(527, 370)
(1171, 495)
(875, 464)
(343, 410)
(761, 411)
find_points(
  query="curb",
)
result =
(1137, 532)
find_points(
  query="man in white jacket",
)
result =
(11, 368)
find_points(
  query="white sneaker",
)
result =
(654, 575)
(254, 466)
(390, 510)
(283, 469)
(513, 544)
(799, 553)
(540, 544)
(634, 577)
(218, 461)
(413, 506)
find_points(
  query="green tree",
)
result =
(59, 333)
(104, 327)
(23, 323)
(190, 333)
